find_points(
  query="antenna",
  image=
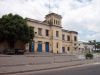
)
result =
(57, 9)
(49, 7)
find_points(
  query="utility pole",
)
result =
(95, 44)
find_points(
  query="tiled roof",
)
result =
(37, 21)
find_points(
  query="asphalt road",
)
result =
(92, 69)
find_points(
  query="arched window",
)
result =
(75, 38)
(54, 21)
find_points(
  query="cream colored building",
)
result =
(84, 47)
(50, 37)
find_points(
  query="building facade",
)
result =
(84, 47)
(50, 37)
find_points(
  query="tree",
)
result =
(14, 28)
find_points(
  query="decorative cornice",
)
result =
(69, 31)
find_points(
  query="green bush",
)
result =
(89, 56)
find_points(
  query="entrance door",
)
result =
(39, 46)
(47, 46)
(32, 47)
(63, 49)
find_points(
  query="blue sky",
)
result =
(79, 15)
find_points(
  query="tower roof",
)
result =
(54, 14)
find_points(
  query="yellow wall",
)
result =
(56, 40)
(52, 39)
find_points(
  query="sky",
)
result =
(82, 16)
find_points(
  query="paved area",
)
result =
(26, 63)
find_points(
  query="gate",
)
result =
(47, 46)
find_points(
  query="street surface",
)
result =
(93, 69)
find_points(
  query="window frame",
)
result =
(63, 36)
(57, 45)
(68, 38)
(40, 31)
(47, 32)
(75, 38)
(57, 33)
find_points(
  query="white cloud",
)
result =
(80, 15)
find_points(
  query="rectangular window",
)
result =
(68, 48)
(63, 49)
(47, 32)
(57, 34)
(68, 38)
(63, 37)
(57, 45)
(40, 31)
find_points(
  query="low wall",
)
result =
(7, 60)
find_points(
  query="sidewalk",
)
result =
(31, 68)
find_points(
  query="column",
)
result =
(43, 47)
(35, 47)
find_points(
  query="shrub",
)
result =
(89, 56)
